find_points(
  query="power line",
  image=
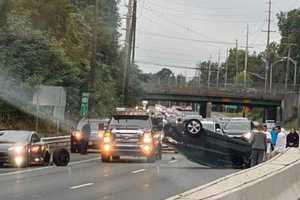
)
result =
(185, 6)
(177, 24)
(191, 39)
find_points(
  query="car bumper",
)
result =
(128, 150)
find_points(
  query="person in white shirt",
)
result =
(280, 146)
(269, 138)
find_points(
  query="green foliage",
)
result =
(289, 27)
(51, 43)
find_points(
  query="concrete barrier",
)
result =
(278, 179)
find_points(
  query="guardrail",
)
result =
(278, 178)
(57, 142)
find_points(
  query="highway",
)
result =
(93, 180)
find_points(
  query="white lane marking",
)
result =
(81, 186)
(83, 161)
(173, 161)
(50, 167)
(138, 171)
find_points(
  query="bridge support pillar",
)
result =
(202, 109)
(278, 114)
(208, 109)
(271, 113)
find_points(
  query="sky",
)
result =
(185, 32)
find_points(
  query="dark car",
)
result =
(22, 149)
(207, 147)
(88, 135)
(131, 134)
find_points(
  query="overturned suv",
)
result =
(131, 134)
(189, 136)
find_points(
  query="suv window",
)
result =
(130, 122)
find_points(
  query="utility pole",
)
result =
(268, 56)
(218, 68)
(131, 17)
(287, 70)
(209, 72)
(236, 60)
(226, 69)
(134, 30)
(246, 56)
(92, 75)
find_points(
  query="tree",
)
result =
(289, 27)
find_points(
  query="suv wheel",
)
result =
(193, 127)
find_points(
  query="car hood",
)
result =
(5, 146)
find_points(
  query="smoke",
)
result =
(20, 95)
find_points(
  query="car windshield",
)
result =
(14, 137)
(130, 122)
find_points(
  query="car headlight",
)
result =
(77, 135)
(147, 138)
(19, 160)
(106, 139)
(17, 149)
(247, 135)
(101, 133)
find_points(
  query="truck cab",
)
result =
(131, 133)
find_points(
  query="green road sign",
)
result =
(84, 109)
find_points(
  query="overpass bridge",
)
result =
(278, 105)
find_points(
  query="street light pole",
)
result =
(287, 69)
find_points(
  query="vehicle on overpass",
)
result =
(88, 135)
(22, 149)
(131, 133)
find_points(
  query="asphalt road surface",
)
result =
(93, 180)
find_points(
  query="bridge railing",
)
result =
(192, 86)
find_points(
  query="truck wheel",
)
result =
(47, 159)
(73, 149)
(61, 157)
(115, 158)
(105, 158)
(193, 127)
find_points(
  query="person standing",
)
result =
(269, 138)
(292, 139)
(259, 145)
(280, 146)
(273, 138)
(86, 132)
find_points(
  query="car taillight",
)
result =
(35, 149)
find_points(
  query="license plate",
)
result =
(90, 143)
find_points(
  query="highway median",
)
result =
(278, 178)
